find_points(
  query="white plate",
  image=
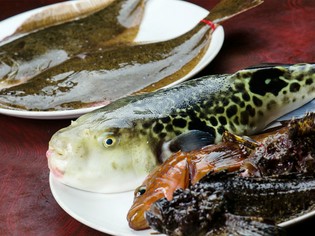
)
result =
(104, 212)
(107, 212)
(163, 19)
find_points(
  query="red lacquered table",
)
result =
(279, 31)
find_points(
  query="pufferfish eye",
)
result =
(140, 191)
(109, 141)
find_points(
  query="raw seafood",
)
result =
(226, 204)
(183, 169)
(98, 78)
(111, 21)
(126, 139)
(284, 188)
(180, 171)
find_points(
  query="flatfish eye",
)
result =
(140, 191)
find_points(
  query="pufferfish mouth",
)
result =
(52, 158)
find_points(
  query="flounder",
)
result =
(113, 148)
(79, 27)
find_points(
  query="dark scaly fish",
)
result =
(286, 152)
(128, 138)
(27, 56)
(102, 77)
(224, 204)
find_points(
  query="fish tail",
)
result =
(226, 9)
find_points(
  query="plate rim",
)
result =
(67, 209)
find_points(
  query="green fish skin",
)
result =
(113, 148)
(105, 76)
(31, 54)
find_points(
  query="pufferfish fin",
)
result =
(191, 140)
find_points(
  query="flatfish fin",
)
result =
(226, 9)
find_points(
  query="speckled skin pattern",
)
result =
(242, 103)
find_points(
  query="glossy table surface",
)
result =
(279, 31)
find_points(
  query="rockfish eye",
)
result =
(140, 191)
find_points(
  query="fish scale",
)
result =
(132, 135)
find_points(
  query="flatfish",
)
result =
(80, 27)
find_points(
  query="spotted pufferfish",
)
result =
(113, 148)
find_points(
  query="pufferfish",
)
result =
(113, 148)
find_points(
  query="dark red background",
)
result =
(278, 31)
